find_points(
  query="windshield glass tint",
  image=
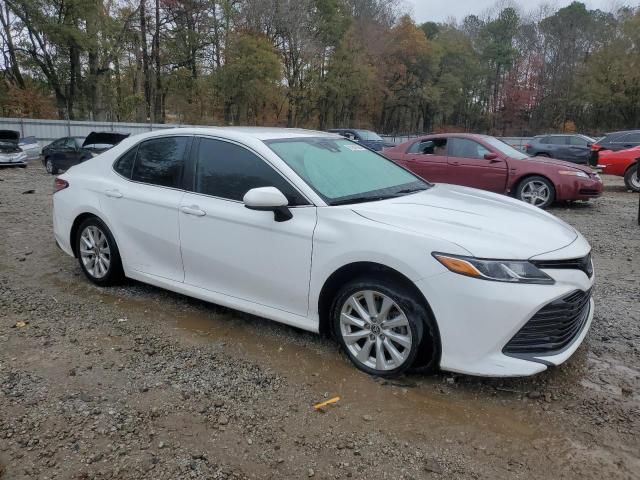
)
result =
(368, 135)
(341, 171)
(505, 148)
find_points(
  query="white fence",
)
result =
(46, 131)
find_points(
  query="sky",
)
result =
(440, 11)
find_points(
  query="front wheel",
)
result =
(537, 191)
(631, 179)
(380, 326)
(98, 253)
(51, 168)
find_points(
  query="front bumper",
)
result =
(477, 318)
(579, 189)
(15, 163)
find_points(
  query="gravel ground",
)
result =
(139, 383)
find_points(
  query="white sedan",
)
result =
(315, 231)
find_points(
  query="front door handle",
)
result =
(453, 162)
(113, 193)
(193, 210)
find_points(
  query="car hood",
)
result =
(484, 224)
(9, 136)
(560, 163)
(106, 138)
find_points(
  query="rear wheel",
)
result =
(51, 168)
(631, 178)
(381, 326)
(537, 191)
(98, 253)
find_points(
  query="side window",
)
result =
(557, 140)
(124, 165)
(227, 170)
(70, 142)
(424, 147)
(545, 140)
(160, 161)
(629, 138)
(349, 135)
(465, 148)
(578, 141)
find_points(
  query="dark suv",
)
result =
(615, 142)
(364, 137)
(573, 148)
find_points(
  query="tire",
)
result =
(50, 167)
(384, 351)
(92, 235)
(537, 191)
(631, 179)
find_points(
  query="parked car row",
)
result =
(504, 173)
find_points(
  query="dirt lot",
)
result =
(139, 383)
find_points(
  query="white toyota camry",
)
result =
(315, 231)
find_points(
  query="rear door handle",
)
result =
(113, 193)
(454, 163)
(193, 210)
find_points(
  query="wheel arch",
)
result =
(74, 229)
(352, 270)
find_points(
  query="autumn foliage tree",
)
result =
(321, 64)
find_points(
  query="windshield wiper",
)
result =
(348, 201)
(411, 190)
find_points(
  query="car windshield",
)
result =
(368, 135)
(506, 149)
(343, 172)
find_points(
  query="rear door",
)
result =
(427, 158)
(468, 165)
(142, 204)
(578, 149)
(66, 153)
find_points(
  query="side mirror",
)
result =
(490, 156)
(268, 199)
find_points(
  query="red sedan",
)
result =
(484, 162)
(623, 164)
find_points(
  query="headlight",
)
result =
(511, 271)
(573, 173)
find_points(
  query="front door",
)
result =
(229, 249)
(469, 166)
(428, 159)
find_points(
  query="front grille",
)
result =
(553, 328)
(584, 264)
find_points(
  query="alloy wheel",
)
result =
(535, 192)
(375, 330)
(95, 252)
(49, 166)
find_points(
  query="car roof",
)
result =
(259, 133)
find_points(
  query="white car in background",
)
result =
(10, 153)
(315, 231)
(31, 147)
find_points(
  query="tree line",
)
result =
(321, 64)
